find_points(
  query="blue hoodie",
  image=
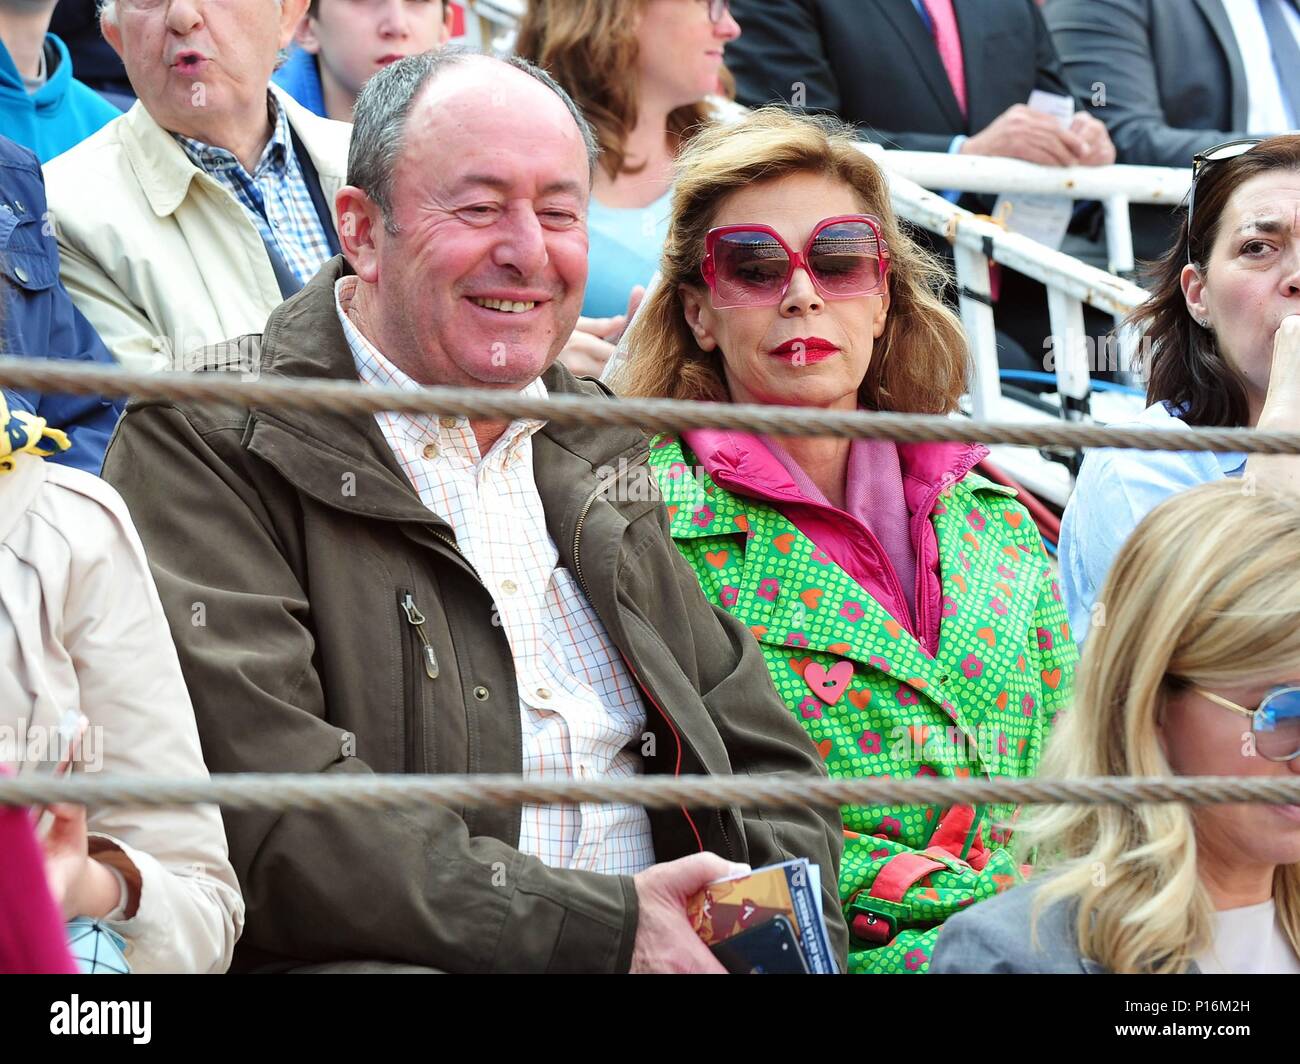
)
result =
(300, 78)
(61, 113)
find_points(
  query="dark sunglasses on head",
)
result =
(1275, 722)
(751, 266)
(1229, 149)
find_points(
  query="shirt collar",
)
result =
(274, 160)
(1231, 463)
(450, 435)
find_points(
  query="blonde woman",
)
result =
(904, 605)
(641, 71)
(1211, 689)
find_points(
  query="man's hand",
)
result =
(665, 940)
(593, 339)
(1022, 133)
(1092, 131)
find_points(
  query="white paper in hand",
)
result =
(1041, 218)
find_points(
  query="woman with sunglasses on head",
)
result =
(642, 72)
(903, 604)
(1213, 689)
(1222, 349)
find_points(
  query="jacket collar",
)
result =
(163, 169)
(740, 462)
(319, 452)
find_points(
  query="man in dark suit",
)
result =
(1171, 77)
(881, 65)
(929, 75)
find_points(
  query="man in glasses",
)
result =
(427, 594)
(189, 218)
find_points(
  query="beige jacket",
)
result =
(81, 628)
(158, 256)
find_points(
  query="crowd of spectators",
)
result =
(328, 189)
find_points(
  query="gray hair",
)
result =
(380, 114)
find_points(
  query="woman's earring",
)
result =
(1204, 323)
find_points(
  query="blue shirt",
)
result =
(37, 318)
(624, 245)
(1115, 490)
(60, 114)
(274, 195)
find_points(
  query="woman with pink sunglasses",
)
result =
(904, 604)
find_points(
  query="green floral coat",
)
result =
(875, 704)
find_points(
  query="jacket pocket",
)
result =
(25, 260)
(419, 667)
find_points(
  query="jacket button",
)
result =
(481, 693)
(21, 274)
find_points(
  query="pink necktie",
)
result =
(944, 22)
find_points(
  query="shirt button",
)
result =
(481, 693)
(448, 422)
(430, 450)
(21, 274)
(509, 587)
(544, 693)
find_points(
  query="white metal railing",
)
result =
(1070, 283)
(1117, 187)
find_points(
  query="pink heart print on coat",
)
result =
(828, 684)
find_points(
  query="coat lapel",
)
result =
(909, 26)
(1217, 17)
(973, 28)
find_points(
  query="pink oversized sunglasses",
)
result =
(751, 266)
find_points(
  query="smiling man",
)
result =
(188, 219)
(341, 43)
(435, 595)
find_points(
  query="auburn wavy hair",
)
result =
(920, 362)
(590, 48)
(1216, 566)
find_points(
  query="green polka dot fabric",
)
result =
(875, 704)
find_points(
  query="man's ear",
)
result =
(1193, 285)
(361, 231)
(697, 314)
(112, 33)
(292, 14)
(448, 17)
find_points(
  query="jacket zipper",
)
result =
(416, 761)
(416, 620)
(582, 582)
